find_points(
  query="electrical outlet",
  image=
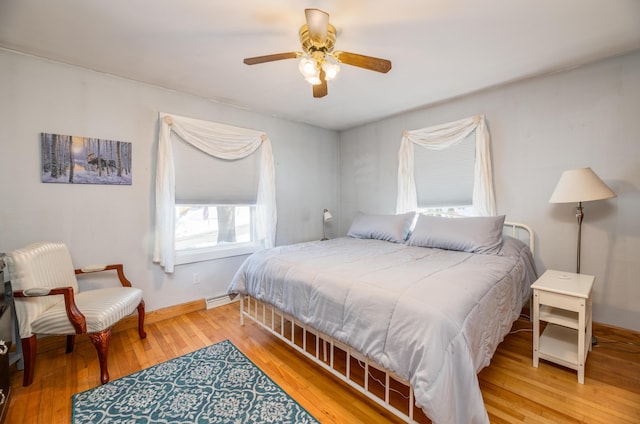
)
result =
(196, 278)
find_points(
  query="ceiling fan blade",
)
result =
(365, 62)
(318, 24)
(271, 58)
(321, 90)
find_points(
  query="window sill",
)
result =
(219, 252)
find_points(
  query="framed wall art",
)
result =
(73, 159)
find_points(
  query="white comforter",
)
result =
(433, 317)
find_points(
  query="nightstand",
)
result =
(563, 301)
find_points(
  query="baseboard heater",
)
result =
(214, 302)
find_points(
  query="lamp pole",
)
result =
(579, 216)
(326, 216)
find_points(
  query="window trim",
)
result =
(218, 252)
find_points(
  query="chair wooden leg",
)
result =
(141, 331)
(101, 342)
(71, 341)
(29, 348)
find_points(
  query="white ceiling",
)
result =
(440, 49)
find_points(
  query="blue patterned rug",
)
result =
(217, 384)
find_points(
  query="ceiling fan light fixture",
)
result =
(318, 62)
(307, 67)
(330, 68)
(314, 79)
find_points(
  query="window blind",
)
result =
(201, 178)
(445, 177)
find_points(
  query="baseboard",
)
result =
(160, 314)
(54, 342)
(619, 334)
(48, 343)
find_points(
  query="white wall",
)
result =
(110, 224)
(540, 127)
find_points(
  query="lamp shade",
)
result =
(326, 215)
(580, 185)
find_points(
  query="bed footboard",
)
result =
(380, 385)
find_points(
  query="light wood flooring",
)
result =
(514, 391)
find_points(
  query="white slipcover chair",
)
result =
(48, 302)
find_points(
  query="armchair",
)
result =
(48, 302)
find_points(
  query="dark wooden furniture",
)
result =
(6, 321)
(42, 274)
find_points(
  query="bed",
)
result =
(407, 317)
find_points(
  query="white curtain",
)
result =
(222, 141)
(440, 137)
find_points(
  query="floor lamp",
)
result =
(326, 217)
(577, 186)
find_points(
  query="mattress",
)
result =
(434, 317)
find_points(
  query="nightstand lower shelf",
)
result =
(558, 344)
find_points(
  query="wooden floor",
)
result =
(513, 390)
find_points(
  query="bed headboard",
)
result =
(521, 232)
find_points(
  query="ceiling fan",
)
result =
(318, 62)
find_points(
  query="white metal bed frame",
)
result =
(313, 344)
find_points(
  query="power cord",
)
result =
(371, 376)
(595, 342)
(611, 341)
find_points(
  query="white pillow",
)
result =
(394, 228)
(479, 234)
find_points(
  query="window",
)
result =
(205, 231)
(229, 144)
(443, 137)
(215, 205)
(444, 178)
(447, 210)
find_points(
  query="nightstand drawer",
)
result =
(561, 301)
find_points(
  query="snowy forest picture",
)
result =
(83, 160)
